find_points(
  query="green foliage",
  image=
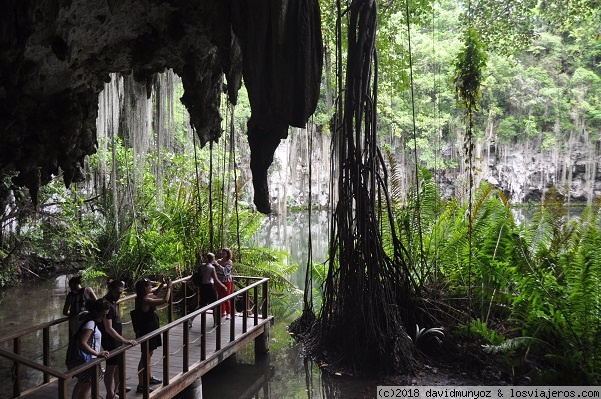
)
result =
(504, 25)
(533, 88)
(510, 346)
(469, 66)
(266, 262)
(478, 329)
(62, 229)
(559, 295)
(542, 278)
(414, 218)
(162, 239)
(509, 129)
(567, 14)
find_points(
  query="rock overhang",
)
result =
(57, 54)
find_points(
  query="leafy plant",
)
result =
(479, 329)
(423, 335)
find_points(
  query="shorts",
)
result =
(86, 376)
(115, 360)
(207, 294)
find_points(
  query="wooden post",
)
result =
(185, 298)
(203, 336)
(17, 368)
(264, 309)
(46, 352)
(256, 307)
(170, 308)
(121, 371)
(244, 312)
(262, 341)
(218, 330)
(186, 344)
(95, 390)
(62, 388)
(166, 357)
(233, 319)
(145, 373)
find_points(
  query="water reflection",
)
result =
(27, 305)
(290, 232)
(283, 373)
(525, 214)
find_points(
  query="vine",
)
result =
(469, 65)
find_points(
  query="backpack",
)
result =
(75, 355)
(197, 278)
(136, 321)
(79, 302)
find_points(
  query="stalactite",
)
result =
(164, 124)
(107, 125)
(126, 111)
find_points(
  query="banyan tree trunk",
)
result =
(360, 326)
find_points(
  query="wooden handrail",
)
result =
(32, 364)
(48, 371)
(196, 313)
(31, 330)
(63, 319)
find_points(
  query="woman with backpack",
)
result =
(88, 339)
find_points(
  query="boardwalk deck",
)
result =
(177, 380)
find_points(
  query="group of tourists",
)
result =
(216, 281)
(95, 326)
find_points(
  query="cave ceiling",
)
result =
(56, 55)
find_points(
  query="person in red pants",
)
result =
(224, 274)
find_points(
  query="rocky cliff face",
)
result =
(56, 56)
(524, 172)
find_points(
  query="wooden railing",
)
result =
(251, 291)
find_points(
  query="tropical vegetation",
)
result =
(462, 266)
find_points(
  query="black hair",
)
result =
(141, 288)
(97, 308)
(75, 280)
(112, 284)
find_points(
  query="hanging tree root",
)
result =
(360, 327)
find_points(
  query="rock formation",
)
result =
(56, 55)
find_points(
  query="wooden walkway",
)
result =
(186, 354)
